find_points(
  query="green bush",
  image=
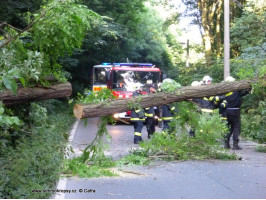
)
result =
(34, 163)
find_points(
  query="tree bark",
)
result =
(25, 95)
(117, 106)
(218, 29)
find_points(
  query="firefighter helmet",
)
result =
(207, 78)
(229, 79)
(195, 83)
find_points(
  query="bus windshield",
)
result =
(128, 80)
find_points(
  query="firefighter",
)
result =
(168, 111)
(207, 80)
(158, 111)
(137, 117)
(150, 114)
(208, 104)
(231, 112)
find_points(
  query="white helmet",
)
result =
(207, 78)
(168, 80)
(195, 83)
(229, 79)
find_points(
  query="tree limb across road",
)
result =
(117, 106)
(25, 95)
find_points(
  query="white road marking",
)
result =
(63, 181)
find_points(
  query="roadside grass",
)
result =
(34, 164)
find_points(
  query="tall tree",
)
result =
(208, 14)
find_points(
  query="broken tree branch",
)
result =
(25, 95)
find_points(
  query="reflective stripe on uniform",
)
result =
(224, 117)
(148, 115)
(228, 94)
(167, 118)
(172, 108)
(211, 98)
(137, 111)
(159, 119)
(207, 110)
(147, 108)
(137, 119)
(138, 133)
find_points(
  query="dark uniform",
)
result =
(150, 114)
(137, 118)
(208, 104)
(168, 112)
(230, 110)
(150, 123)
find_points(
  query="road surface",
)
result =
(245, 179)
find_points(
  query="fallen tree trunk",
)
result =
(25, 95)
(116, 106)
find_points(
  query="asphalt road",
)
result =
(214, 179)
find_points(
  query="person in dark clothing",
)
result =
(168, 112)
(137, 117)
(230, 110)
(150, 114)
(207, 104)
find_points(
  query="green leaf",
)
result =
(9, 120)
(2, 110)
(22, 80)
(16, 121)
(11, 84)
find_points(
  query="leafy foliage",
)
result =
(209, 130)
(76, 166)
(248, 30)
(103, 95)
(65, 25)
(170, 86)
(36, 160)
(135, 158)
(249, 41)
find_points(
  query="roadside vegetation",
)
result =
(30, 159)
(64, 39)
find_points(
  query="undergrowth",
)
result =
(33, 163)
